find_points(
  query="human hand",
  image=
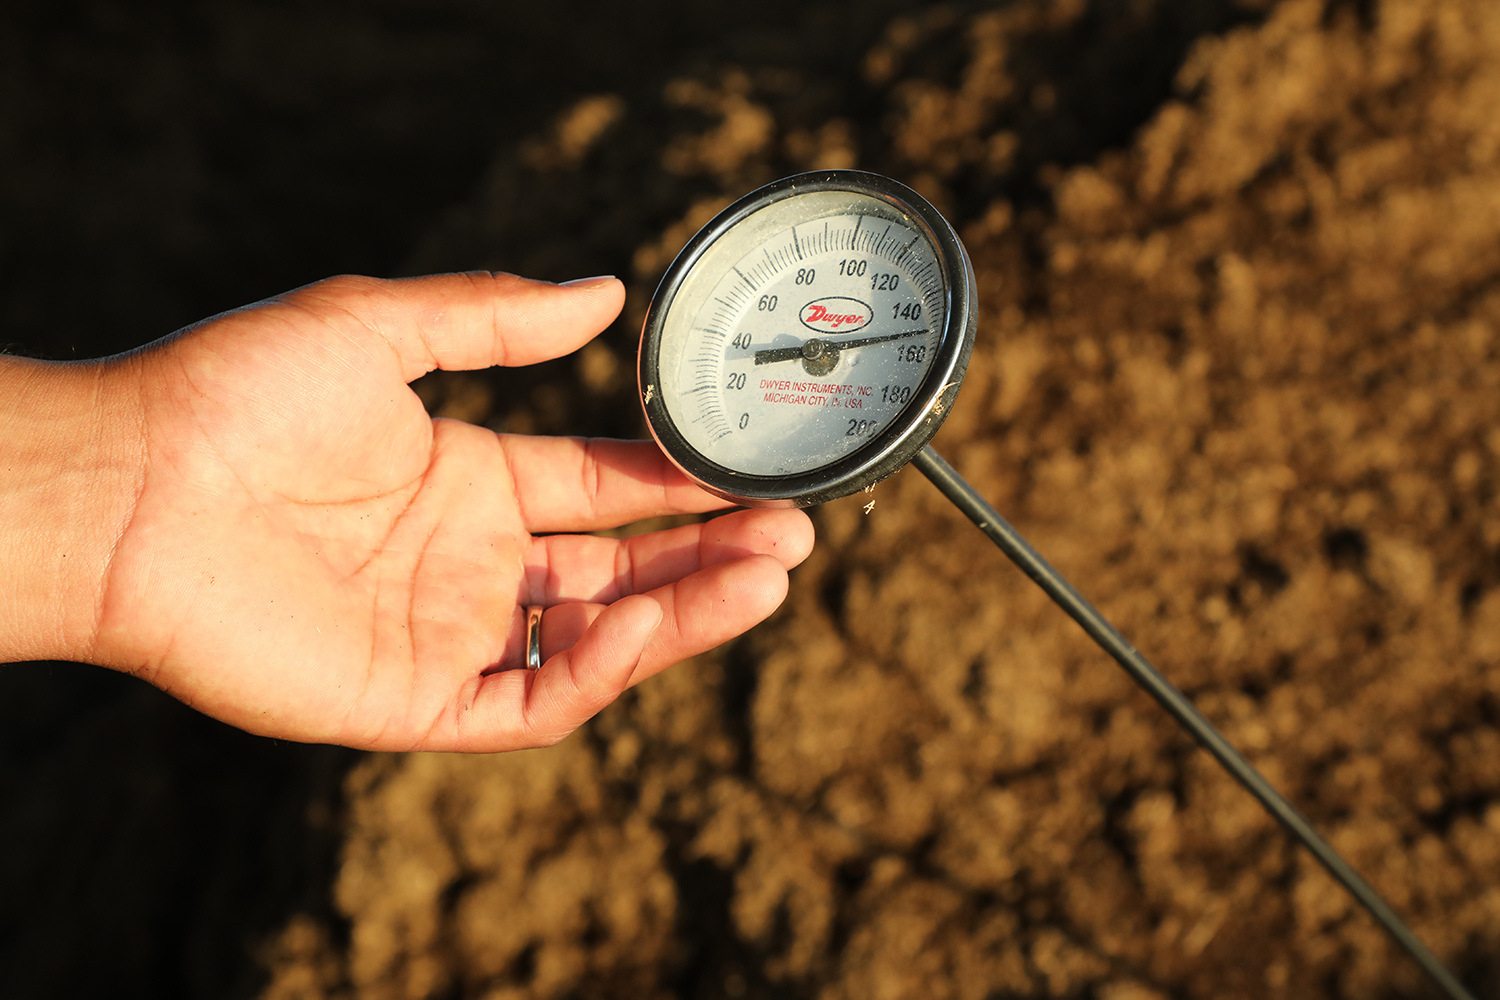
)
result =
(308, 555)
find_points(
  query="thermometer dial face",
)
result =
(809, 340)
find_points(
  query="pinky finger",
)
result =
(573, 686)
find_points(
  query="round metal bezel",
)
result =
(890, 448)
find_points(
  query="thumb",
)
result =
(467, 321)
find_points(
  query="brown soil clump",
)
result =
(1243, 386)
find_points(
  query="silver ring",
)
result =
(534, 637)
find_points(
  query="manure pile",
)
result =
(1238, 376)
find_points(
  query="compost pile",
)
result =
(1238, 376)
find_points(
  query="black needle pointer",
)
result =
(815, 348)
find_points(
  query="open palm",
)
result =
(311, 556)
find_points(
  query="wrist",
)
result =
(71, 467)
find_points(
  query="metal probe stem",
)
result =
(1020, 552)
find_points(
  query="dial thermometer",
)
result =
(809, 340)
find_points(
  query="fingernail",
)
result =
(598, 279)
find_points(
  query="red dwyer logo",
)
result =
(836, 314)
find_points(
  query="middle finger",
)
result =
(567, 568)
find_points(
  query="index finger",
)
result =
(585, 484)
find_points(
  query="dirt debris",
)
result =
(1239, 378)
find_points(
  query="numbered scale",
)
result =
(808, 343)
